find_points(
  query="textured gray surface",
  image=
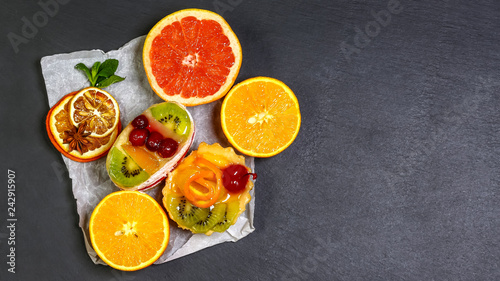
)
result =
(394, 175)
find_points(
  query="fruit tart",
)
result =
(150, 146)
(208, 190)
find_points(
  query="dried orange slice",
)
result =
(129, 230)
(192, 56)
(261, 116)
(61, 133)
(97, 108)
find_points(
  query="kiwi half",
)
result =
(185, 213)
(124, 171)
(215, 215)
(172, 116)
(230, 216)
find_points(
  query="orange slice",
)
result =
(192, 56)
(261, 117)
(97, 108)
(129, 230)
(59, 128)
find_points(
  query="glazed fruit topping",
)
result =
(203, 187)
(168, 147)
(140, 122)
(144, 134)
(235, 178)
(138, 136)
(153, 141)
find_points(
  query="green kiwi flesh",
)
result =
(173, 117)
(124, 171)
(230, 215)
(185, 213)
(214, 215)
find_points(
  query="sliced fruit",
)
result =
(183, 212)
(165, 131)
(148, 147)
(260, 117)
(230, 216)
(172, 116)
(143, 158)
(198, 181)
(97, 108)
(215, 215)
(125, 171)
(66, 138)
(192, 56)
(129, 230)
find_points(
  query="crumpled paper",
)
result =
(90, 181)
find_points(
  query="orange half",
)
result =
(261, 116)
(129, 230)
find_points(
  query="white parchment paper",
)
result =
(90, 181)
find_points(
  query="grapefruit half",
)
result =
(192, 57)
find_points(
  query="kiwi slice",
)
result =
(215, 214)
(230, 215)
(185, 213)
(173, 117)
(124, 171)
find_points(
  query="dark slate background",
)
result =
(393, 176)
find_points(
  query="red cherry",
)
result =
(153, 142)
(168, 147)
(138, 136)
(140, 122)
(235, 178)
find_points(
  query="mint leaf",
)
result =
(101, 75)
(95, 69)
(108, 68)
(100, 79)
(110, 80)
(85, 69)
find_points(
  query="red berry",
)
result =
(138, 136)
(140, 122)
(235, 178)
(168, 147)
(153, 142)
